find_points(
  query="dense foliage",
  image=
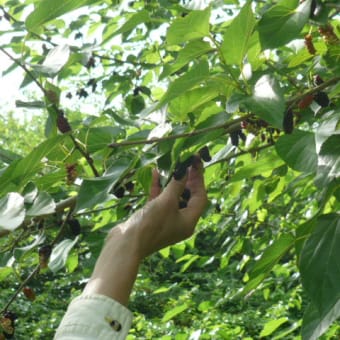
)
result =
(116, 89)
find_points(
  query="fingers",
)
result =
(156, 188)
(198, 199)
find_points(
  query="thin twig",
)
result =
(86, 156)
(19, 289)
(242, 152)
(29, 73)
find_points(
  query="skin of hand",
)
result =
(158, 224)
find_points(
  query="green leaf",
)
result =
(34, 104)
(264, 164)
(237, 36)
(191, 100)
(269, 258)
(298, 150)
(283, 22)
(320, 275)
(267, 101)
(21, 171)
(138, 18)
(186, 55)
(54, 61)
(4, 272)
(195, 76)
(98, 138)
(314, 324)
(193, 26)
(272, 325)
(60, 253)
(50, 9)
(42, 205)
(12, 211)
(329, 160)
(174, 312)
(97, 190)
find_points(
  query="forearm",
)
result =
(117, 266)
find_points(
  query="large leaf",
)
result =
(187, 54)
(60, 253)
(193, 26)
(237, 36)
(258, 167)
(97, 190)
(298, 150)
(267, 101)
(269, 258)
(136, 19)
(283, 22)
(320, 274)
(195, 76)
(191, 100)
(20, 171)
(12, 211)
(50, 9)
(42, 205)
(175, 311)
(54, 61)
(329, 160)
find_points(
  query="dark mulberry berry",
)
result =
(318, 80)
(29, 293)
(118, 191)
(90, 63)
(309, 44)
(129, 186)
(63, 124)
(242, 135)
(322, 99)
(234, 136)
(182, 204)
(186, 194)
(205, 154)
(82, 93)
(71, 173)
(288, 121)
(180, 171)
(44, 255)
(74, 226)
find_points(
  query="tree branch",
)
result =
(313, 90)
(229, 127)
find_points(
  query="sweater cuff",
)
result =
(94, 317)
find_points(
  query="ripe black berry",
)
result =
(205, 154)
(118, 191)
(322, 99)
(234, 136)
(74, 226)
(288, 121)
(242, 135)
(186, 194)
(182, 204)
(44, 255)
(62, 123)
(180, 171)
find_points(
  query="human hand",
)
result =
(161, 222)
